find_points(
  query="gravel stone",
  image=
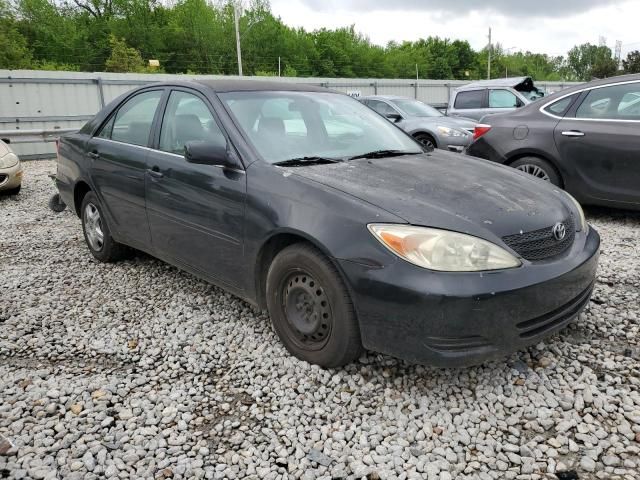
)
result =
(139, 370)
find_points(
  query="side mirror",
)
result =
(207, 153)
(394, 117)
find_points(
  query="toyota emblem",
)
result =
(559, 231)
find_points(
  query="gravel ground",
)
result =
(138, 370)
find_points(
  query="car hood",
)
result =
(446, 190)
(4, 149)
(433, 122)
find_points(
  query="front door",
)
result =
(117, 159)
(196, 212)
(601, 139)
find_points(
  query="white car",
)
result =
(10, 170)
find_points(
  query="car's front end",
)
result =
(487, 261)
(10, 170)
(452, 319)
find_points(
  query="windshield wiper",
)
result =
(384, 153)
(296, 162)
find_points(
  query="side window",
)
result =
(502, 99)
(105, 131)
(469, 99)
(617, 102)
(187, 118)
(133, 120)
(381, 107)
(561, 106)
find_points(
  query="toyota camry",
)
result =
(306, 203)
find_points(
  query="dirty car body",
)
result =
(10, 170)
(228, 223)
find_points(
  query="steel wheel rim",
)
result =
(534, 170)
(307, 310)
(93, 227)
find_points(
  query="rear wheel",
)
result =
(96, 231)
(426, 140)
(311, 309)
(538, 168)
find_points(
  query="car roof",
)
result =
(385, 97)
(236, 85)
(496, 82)
(594, 83)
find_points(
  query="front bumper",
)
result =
(454, 144)
(460, 319)
(11, 177)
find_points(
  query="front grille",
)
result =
(540, 325)
(541, 244)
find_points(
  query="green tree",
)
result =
(632, 63)
(123, 58)
(587, 61)
(14, 51)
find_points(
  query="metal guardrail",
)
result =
(34, 135)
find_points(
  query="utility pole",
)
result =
(278, 66)
(489, 60)
(416, 71)
(236, 15)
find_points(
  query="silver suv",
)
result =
(488, 97)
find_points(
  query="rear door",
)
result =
(117, 157)
(600, 137)
(470, 104)
(196, 212)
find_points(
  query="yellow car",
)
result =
(10, 170)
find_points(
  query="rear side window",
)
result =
(134, 118)
(616, 102)
(502, 99)
(560, 107)
(381, 107)
(470, 99)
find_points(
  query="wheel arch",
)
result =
(423, 131)
(273, 245)
(538, 154)
(80, 189)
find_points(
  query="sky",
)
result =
(541, 26)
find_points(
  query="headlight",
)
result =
(442, 250)
(450, 132)
(9, 160)
(583, 225)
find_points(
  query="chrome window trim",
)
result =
(615, 120)
(237, 170)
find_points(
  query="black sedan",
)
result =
(306, 202)
(585, 139)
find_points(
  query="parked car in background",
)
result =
(10, 170)
(423, 122)
(585, 139)
(350, 238)
(488, 97)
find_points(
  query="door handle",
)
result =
(155, 172)
(573, 133)
(94, 154)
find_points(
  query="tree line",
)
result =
(198, 36)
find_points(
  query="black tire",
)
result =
(311, 309)
(426, 140)
(56, 204)
(539, 168)
(108, 250)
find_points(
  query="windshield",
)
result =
(291, 125)
(415, 108)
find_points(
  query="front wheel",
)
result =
(96, 231)
(426, 141)
(311, 309)
(538, 168)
